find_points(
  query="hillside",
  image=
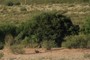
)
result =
(17, 14)
(43, 1)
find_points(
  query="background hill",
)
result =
(45, 1)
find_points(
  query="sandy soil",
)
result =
(54, 54)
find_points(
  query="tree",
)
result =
(51, 26)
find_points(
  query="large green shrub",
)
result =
(77, 41)
(48, 26)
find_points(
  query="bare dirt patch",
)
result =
(54, 54)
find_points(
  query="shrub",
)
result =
(17, 49)
(77, 41)
(48, 44)
(9, 3)
(23, 9)
(48, 26)
(5, 30)
(1, 55)
(17, 3)
(86, 26)
(25, 42)
(88, 44)
(1, 45)
(87, 56)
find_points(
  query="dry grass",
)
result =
(13, 14)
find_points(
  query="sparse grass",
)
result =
(46, 1)
(87, 55)
(78, 12)
(1, 55)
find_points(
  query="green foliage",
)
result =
(77, 41)
(9, 3)
(88, 44)
(1, 45)
(12, 2)
(25, 42)
(48, 26)
(48, 44)
(17, 3)
(7, 28)
(86, 26)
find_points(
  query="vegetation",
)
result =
(45, 26)
(77, 41)
(87, 55)
(1, 55)
(5, 30)
(86, 26)
(17, 49)
(51, 26)
(44, 1)
(46, 30)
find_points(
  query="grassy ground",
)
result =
(19, 14)
(45, 1)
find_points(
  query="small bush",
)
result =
(86, 26)
(1, 55)
(87, 56)
(25, 42)
(77, 41)
(17, 49)
(17, 3)
(23, 9)
(88, 44)
(48, 44)
(1, 45)
(5, 30)
(9, 3)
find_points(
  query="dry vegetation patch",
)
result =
(18, 14)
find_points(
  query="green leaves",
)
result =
(86, 26)
(7, 28)
(49, 26)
